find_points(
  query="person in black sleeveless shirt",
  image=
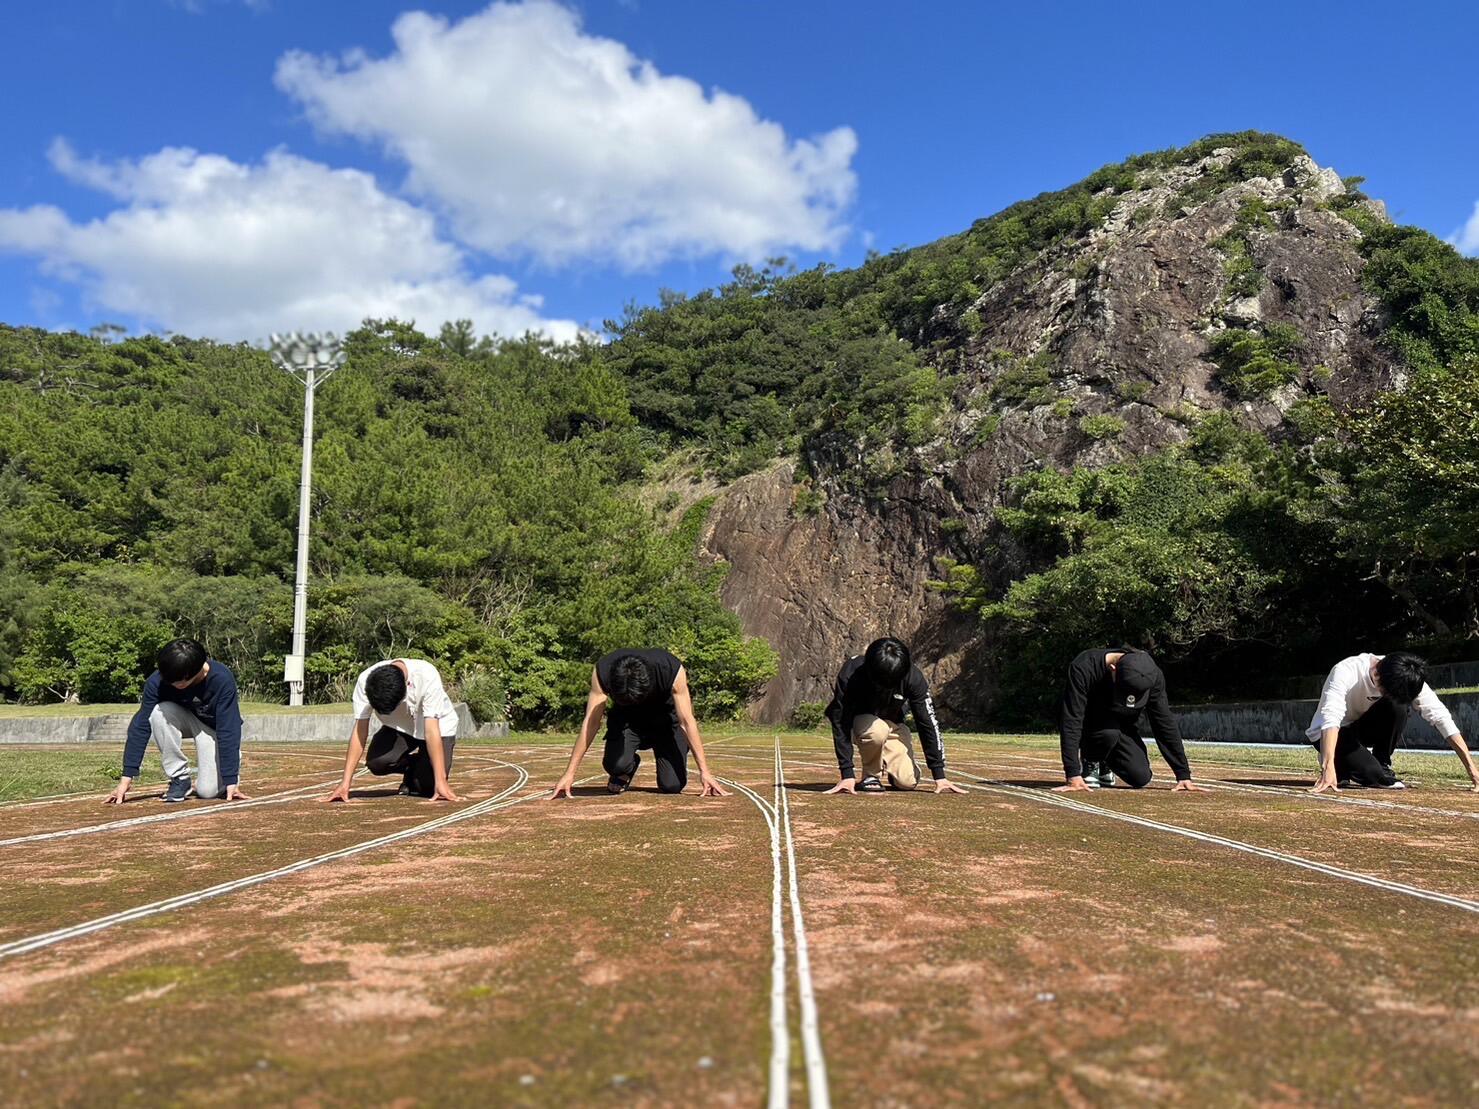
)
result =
(651, 710)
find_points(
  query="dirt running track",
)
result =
(1248, 946)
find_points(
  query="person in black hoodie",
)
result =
(873, 691)
(1107, 690)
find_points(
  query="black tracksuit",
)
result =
(652, 725)
(1090, 722)
(854, 695)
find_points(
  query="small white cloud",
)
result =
(204, 245)
(1466, 238)
(537, 138)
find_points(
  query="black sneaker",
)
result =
(1106, 776)
(621, 785)
(1091, 775)
(179, 789)
(870, 784)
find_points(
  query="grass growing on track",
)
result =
(25, 774)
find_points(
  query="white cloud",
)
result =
(1466, 238)
(204, 245)
(538, 138)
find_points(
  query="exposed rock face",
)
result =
(1120, 323)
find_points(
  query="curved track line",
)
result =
(993, 786)
(295, 794)
(1288, 791)
(491, 804)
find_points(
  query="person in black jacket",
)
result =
(873, 690)
(651, 710)
(1108, 688)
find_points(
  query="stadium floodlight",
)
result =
(311, 359)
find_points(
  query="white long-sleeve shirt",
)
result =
(1350, 689)
(425, 697)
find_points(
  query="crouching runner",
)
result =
(1099, 721)
(418, 729)
(190, 696)
(651, 710)
(872, 693)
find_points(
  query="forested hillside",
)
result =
(470, 508)
(1209, 401)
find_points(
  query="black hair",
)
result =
(632, 679)
(1401, 677)
(887, 662)
(180, 660)
(385, 687)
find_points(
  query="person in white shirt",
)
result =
(1362, 714)
(418, 729)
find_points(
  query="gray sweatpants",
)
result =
(169, 724)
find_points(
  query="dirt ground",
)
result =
(1251, 945)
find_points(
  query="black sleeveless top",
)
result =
(658, 707)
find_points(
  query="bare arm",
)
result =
(357, 735)
(683, 703)
(595, 711)
(441, 791)
(1327, 762)
(1461, 748)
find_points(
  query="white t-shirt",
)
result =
(425, 697)
(1350, 690)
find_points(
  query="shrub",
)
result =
(808, 715)
(1104, 426)
(1252, 365)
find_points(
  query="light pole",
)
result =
(310, 359)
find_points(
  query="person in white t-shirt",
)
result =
(418, 728)
(1362, 714)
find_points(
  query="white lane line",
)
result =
(295, 794)
(780, 1029)
(811, 1034)
(992, 786)
(1288, 791)
(46, 939)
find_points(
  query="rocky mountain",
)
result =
(1201, 286)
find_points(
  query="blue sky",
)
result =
(227, 167)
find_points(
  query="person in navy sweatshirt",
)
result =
(190, 695)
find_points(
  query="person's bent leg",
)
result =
(389, 752)
(620, 759)
(1354, 763)
(1380, 728)
(421, 776)
(169, 725)
(869, 734)
(1129, 760)
(898, 758)
(671, 754)
(207, 766)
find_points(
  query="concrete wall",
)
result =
(1285, 722)
(283, 727)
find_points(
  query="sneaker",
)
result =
(1398, 784)
(621, 785)
(870, 784)
(179, 789)
(1106, 776)
(1091, 775)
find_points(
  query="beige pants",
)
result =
(886, 749)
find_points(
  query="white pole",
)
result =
(300, 585)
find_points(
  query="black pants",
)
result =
(1363, 748)
(666, 740)
(1118, 750)
(392, 751)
